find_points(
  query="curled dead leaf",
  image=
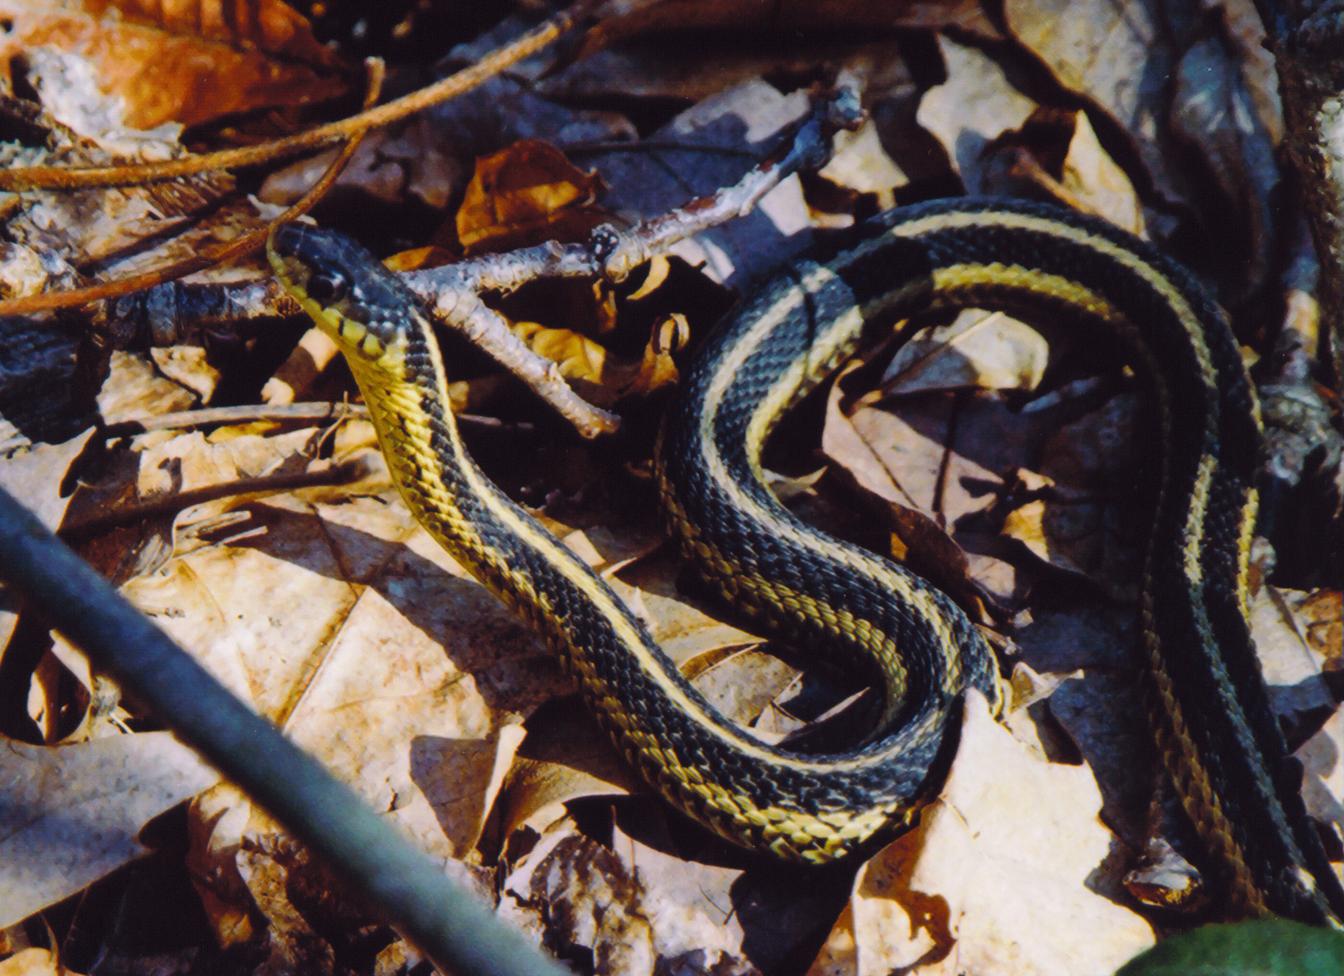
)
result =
(601, 377)
(1000, 876)
(186, 63)
(525, 194)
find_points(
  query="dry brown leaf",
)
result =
(999, 878)
(1213, 109)
(1118, 56)
(978, 350)
(1101, 712)
(1095, 181)
(34, 962)
(564, 758)
(896, 456)
(400, 165)
(1321, 618)
(1298, 690)
(526, 194)
(72, 814)
(937, 462)
(724, 918)
(681, 628)
(1081, 523)
(601, 377)
(402, 675)
(1089, 633)
(628, 18)
(974, 106)
(1322, 758)
(186, 62)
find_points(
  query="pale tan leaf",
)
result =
(860, 163)
(979, 350)
(1118, 55)
(970, 109)
(134, 389)
(36, 478)
(34, 962)
(999, 877)
(1096, 181)
(72, 814)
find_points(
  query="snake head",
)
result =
(346, 290)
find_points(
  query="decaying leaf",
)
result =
(72, 814)
(968, 111)
(1003, 875)
(526, 194)
(161, 59)
(600, 375)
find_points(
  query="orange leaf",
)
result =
(524, 194)
(178, 61)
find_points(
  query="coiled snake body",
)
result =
(1220, 740)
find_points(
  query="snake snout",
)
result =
(344, 287)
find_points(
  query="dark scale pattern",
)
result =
(1234, 730)
(1234, 733)
(1203, 668)
(616, 672)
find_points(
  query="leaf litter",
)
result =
(994, 455)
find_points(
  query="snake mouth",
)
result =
(344, 288)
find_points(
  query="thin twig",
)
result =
(249, 242)
(58, 178)
(175, 501)
(454, 929)
(281, 413)
(453, 292)
(178, 313)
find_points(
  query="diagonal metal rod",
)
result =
(448, 924)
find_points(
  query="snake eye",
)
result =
(326, 287)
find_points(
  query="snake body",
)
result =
(1219, 739)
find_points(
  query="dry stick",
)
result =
(280, 413)
(176, 501)
(252, 241)
(57, 178)
(446, 922)
(453, 291)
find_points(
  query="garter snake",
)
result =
(1220, 741)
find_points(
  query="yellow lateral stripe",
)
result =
(837, 333)
(1192, 328)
